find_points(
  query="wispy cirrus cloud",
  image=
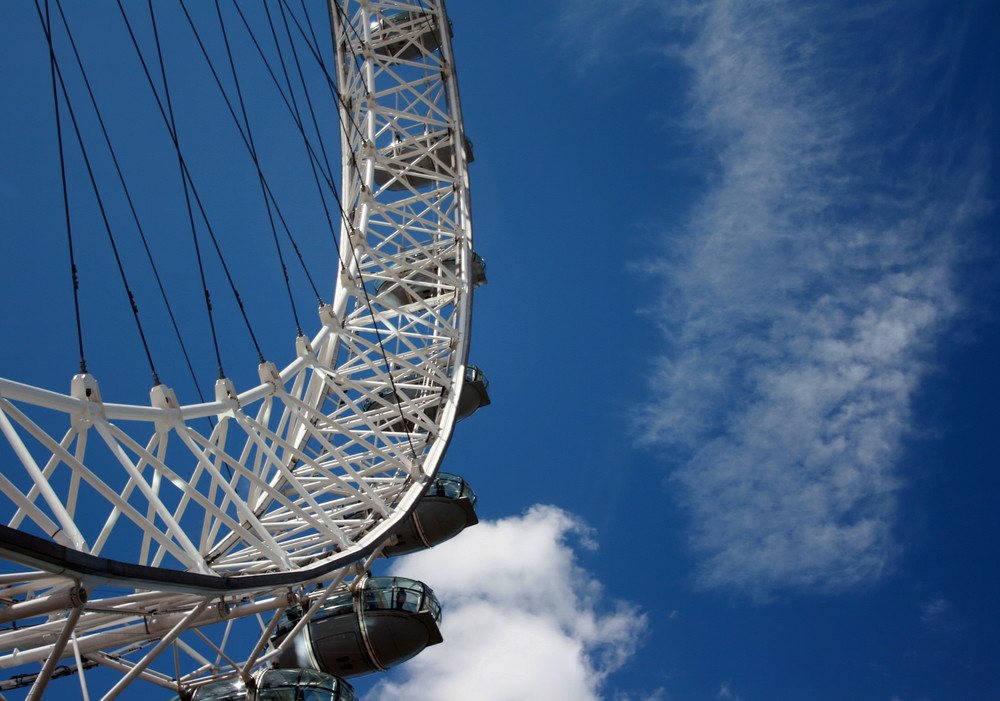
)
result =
(935, 611)
(726, 693)
(805, 294)
(521, 619)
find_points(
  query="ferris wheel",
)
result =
(225, 546)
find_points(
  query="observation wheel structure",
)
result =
(168, 541)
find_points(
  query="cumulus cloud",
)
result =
(521, 619)
(805, 293)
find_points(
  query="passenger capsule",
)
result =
(418, 161)
(474, 395)
(302, 685)
(387, 620)
(429, 281)
(448, 508)
(405, 35)
(277, 685)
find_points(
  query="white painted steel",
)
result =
(301, 476)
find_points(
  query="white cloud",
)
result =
(726, 693)
(656, 695)
(935, 610)
(585, 29)
(521, 618)
(803, 296)
(940, 616)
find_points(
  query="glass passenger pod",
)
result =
(448, 508)
(425, 283)
(473, 397)
(404, 389)
(277, 685)
(405, 35)
(387, 620)
(417, 162)
(302, 685)
(475, 394)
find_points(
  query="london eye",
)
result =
(220, 545)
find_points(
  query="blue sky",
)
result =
(740, 333)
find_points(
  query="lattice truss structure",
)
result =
(213, 512)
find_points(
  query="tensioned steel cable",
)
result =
(324, 164)
(131, 204)
(297, 115)
(260, 173)
(107, 226)
(181, 165)
(335, 93)
(301, 77)
(190, 181)
(47, 28)
(270, 198)
(302, 4)
(100, 201)
(314, 158)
